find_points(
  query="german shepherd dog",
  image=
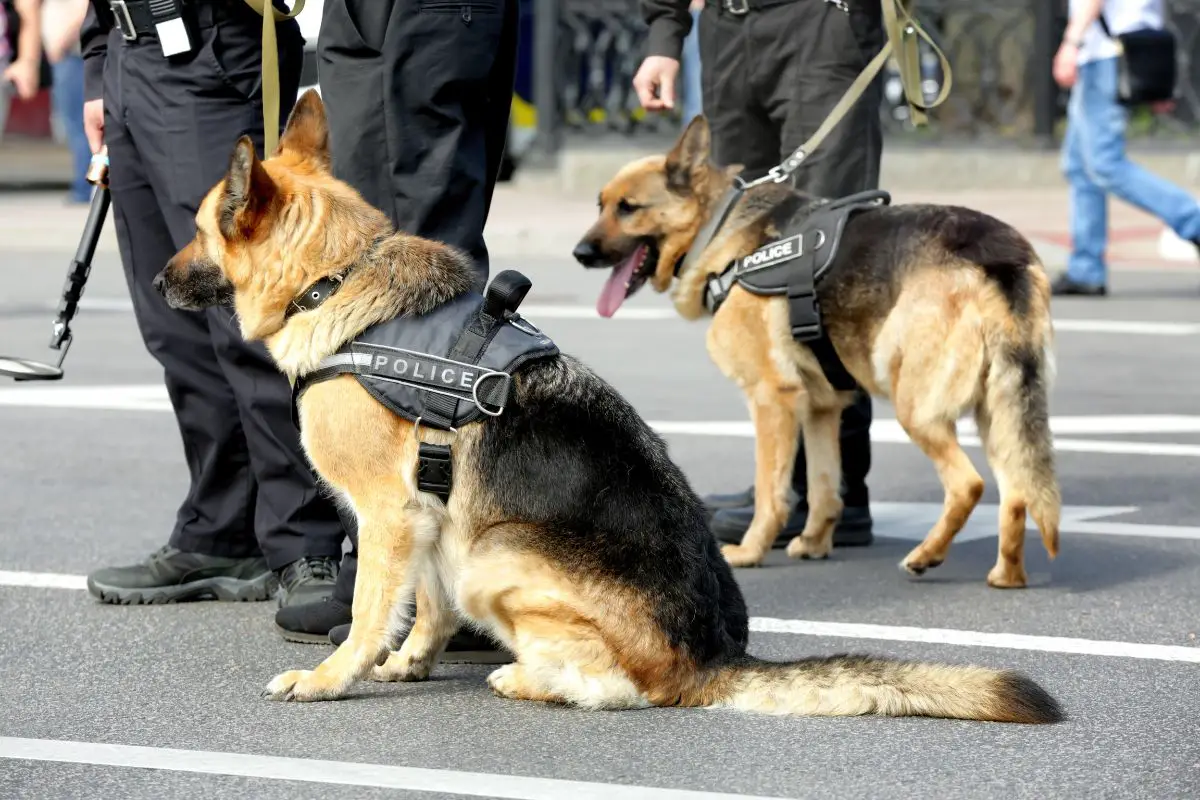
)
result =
(940, 309)
(569, 536)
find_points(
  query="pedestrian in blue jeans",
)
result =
(67, 93)
(1093, 154)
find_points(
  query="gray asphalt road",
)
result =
(82, 486)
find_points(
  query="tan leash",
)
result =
(902, 32)
(270, 69)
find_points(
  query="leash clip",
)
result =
(737, 7)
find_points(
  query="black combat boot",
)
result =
(170, 575)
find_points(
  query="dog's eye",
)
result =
(625, 207)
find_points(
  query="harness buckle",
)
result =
(123, 19)
(737, 7)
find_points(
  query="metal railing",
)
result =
(1000, 52)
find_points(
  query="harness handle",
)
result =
(900, 26)
(505, 293)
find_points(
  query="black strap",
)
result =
(712, 227)
(435, 473)
(835, 371)
(316, 294)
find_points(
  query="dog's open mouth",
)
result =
(626, 278)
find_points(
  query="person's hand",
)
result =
(1066, 65)
(655, 82)
(93, 123)
(24, 75)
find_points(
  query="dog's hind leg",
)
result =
(939, 441)
(824, 468)
(432, 628)
(1009, 571)
(776, 414)
(394, 539)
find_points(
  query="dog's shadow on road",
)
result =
(1085, 563)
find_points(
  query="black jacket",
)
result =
(670, 22)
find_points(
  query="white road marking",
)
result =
(42, 580)
(850, 630)
(153, 397)
(535, 311)
(341, 773)
(888, 431)
(1005, 641)
(1126, 327)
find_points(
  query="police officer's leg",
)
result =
(808, 56)
(418, 104)
(296, 524)
(832, 48)
(742, 133)
(213, 527)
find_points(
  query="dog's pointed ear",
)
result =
(307, 131)
(249, 192)
(689, 155)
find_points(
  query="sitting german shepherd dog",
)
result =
(568, 534)
(941, 309)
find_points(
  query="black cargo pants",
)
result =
(419, 94)
(770, 76)
(170, 127)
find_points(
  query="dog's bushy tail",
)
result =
(851, 685)
(1015, 423)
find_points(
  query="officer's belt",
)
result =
(740, 7)
(793, 265)
(135, 19)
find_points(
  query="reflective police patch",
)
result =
(772, 254)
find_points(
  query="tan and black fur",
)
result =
(942, 310)
(569, 536)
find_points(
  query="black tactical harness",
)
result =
(445, 368)
(793, 265)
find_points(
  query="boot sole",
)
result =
(302, 638)
(226, 590)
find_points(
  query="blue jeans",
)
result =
(1094, 162)
(67, 94)
(691, 91)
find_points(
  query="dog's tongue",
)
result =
(615, 288)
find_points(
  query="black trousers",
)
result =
(769, 78)
(170, 127)
(419, 94)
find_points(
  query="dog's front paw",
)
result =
(400, 667)
(282, 686)
(800, 547)
(302, 685)
(739, 556)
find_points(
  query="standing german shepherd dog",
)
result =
(569, 535)
(941, 309)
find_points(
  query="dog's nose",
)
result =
(586, 253)
(159, 280)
